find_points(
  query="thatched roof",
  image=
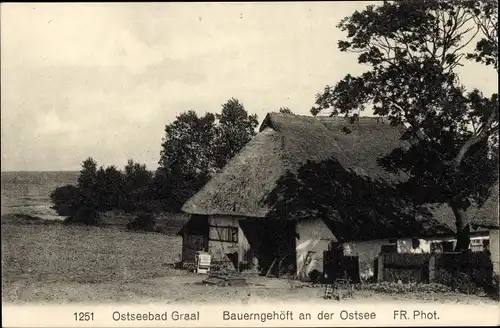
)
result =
(284, 143)
(485, 216)
(287, 142)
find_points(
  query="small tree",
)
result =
(110, 188)
(66, 200)
(137, 175)
(144, 221)
(138, 181)
(285, 110)
(235, 129)
(100, 192)
(87, 184)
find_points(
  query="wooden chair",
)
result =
(340, 289)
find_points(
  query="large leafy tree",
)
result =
(412, 50)
(195, 147)
(186, 158)
(235, 127)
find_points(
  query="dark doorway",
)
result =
(194, 237)
(272, 242)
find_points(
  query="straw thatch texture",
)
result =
(286, 142)
(247, 178)
(485, 216)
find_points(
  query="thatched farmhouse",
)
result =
(260, 211)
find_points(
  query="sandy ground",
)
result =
(182, 287)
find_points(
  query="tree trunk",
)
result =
(462, 225)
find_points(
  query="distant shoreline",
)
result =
(21, 219)
(32, 171)
(166, 223)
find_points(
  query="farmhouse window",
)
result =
(436, 247)
(389, 248)
(477, 245)
(415, 243)
(226, 233)
(447, 246)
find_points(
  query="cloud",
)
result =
(103, 79)
(50, 123)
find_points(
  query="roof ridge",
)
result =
(272, 118)
(324, 116)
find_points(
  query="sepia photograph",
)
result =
(250, 153)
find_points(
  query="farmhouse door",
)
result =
(338, 266)
(193, 244)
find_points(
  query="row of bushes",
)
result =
(109, 189)
(461, 284)
(400, 288)
(460, 281)
(453, 284)
(406, 275)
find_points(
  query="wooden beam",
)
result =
(271, 267)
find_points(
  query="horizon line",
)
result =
(10, 171)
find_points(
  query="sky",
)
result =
(103, 80)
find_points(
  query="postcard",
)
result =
(176, 164)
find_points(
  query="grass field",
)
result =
(55, 263)
(84, 254)
(54, 253)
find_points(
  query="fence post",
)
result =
(432, 268)
(380, 269)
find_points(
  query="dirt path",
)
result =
(188, 289)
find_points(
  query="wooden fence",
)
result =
(404, 267)
(444, 268)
